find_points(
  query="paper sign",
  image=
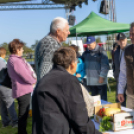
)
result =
(79, 44)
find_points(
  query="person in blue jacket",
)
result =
(80, 72)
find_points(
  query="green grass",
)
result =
(10, 130)
(111, 95)
(109, 55)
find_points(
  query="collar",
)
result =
(14, 55)
(58, 67)
(124, 48)
(95, 49)
(55, 38)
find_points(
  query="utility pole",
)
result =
(112, 15)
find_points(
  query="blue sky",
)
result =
(31, 25)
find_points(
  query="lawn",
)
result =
(109, 55)
(10, 130)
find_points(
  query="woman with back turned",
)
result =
(58, 104)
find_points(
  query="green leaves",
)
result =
(105, 124)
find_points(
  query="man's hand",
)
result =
(105, 133)
(121, 98)
(78, 75)
(101, 79)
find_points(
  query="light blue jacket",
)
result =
(80, 69)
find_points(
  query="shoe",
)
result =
(15, 125)
(6, 125)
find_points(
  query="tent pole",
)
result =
(108, 43)
(76, 39)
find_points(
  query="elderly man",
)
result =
(59, 31)
(97, 66)
(127, 73)
(122, 41)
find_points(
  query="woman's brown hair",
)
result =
(15, 45)
(64, 57)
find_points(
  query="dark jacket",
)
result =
(96, 65)
(129, 58)
(58, 106)
(116, 62)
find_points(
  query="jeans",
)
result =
(99, 90)
(8, 112)
(24, 103)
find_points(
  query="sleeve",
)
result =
(76, 110)
(23, 72)
(104, 64)
(83, 70)
(46, 60)
(122, 76)
(80, 68)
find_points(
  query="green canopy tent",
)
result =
(95, 25)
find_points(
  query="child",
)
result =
(7, 102)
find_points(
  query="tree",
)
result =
(127, 35)
(34, 45)
(5, 45)
(98, 40)
(65, 44)
(109, 37)
(84, 40)
(26, 48)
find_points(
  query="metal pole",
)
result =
(76, 39)
(108, 43)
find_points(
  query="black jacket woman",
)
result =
(58, 104)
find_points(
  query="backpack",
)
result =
(7, 80)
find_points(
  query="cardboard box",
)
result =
(97, 100)
(122, 120)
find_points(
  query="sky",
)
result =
(32, 25)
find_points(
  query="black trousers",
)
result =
(24, 103)
(99, 90)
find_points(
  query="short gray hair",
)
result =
(57, 23)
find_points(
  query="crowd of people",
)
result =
(61, 104)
